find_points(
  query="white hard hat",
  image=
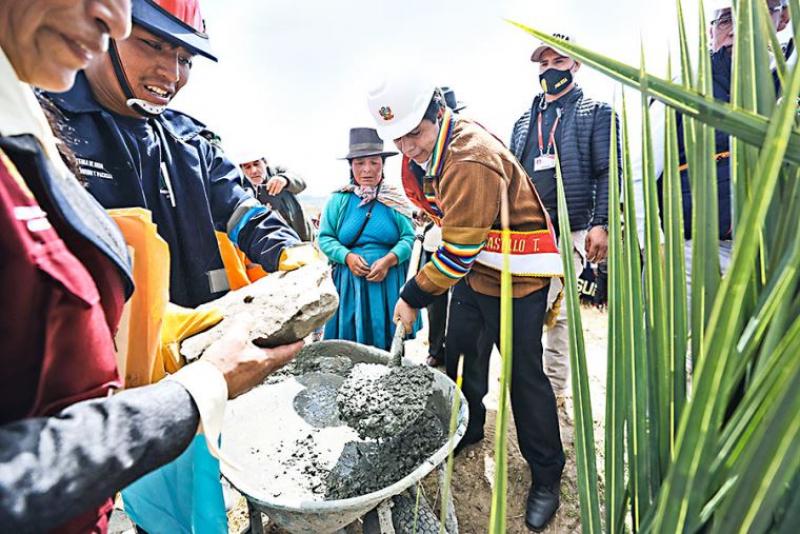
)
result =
(398, 104)
(241, 154)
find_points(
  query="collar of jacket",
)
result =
(427, 198)
(569, 98)
(23, 124)
(21, 114)
(80, 100)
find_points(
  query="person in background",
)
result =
(67, 445)
(721, 26)
(451, 101)
(457, 172)
(563, 120)
(366, 232)
(135, 152)
(276, 187)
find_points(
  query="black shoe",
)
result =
(466, 441)
(543, 501)
(435, 360)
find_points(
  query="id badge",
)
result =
(544, 162)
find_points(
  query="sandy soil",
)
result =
(473, 472)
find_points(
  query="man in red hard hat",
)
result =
(135, 152)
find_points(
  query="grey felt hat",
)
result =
(365, 142)
(450, 99)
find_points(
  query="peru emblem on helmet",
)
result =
(386, 113)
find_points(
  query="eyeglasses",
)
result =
(726, 18)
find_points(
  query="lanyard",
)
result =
(552, 137)
(440, 148)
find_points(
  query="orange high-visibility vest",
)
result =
(152, 328)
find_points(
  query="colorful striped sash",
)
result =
(437, 163)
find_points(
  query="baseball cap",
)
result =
(537, 54)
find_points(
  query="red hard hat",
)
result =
(178, 21)
(188, 11)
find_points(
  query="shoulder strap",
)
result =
(363, 225)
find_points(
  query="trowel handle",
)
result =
(396, 352)
(413, 263)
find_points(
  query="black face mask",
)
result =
(555, 81)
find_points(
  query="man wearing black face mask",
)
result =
(563, 120)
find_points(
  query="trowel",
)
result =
(397, 348)
(369, 417)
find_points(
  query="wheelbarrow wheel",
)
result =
(406, 519)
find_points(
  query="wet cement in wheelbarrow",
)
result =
(380, 402)
(388, 433)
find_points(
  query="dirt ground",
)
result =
(474, 468)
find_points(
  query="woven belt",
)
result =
(717, 157)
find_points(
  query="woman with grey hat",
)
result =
(366, 232)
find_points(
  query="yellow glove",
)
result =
(295, 257)
(180, 323)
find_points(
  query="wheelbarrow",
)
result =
(259, 424)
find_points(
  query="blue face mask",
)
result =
(554, 81)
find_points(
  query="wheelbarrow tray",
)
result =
(315, 515)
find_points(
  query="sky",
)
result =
(292, 76)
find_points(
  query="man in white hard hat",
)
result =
(457, 172)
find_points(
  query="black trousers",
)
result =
(474, 324)
(437, 325)
(437, 318)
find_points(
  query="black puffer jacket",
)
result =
(583, 150)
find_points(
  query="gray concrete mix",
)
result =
(367, 466)
(380, 401)
(366, 427)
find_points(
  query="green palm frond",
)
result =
(718, 451)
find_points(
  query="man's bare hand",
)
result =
(405, 314)
(243, 364)
(596, 244)
(276, 184)
(357, 265)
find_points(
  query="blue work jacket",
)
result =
(187, 183)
